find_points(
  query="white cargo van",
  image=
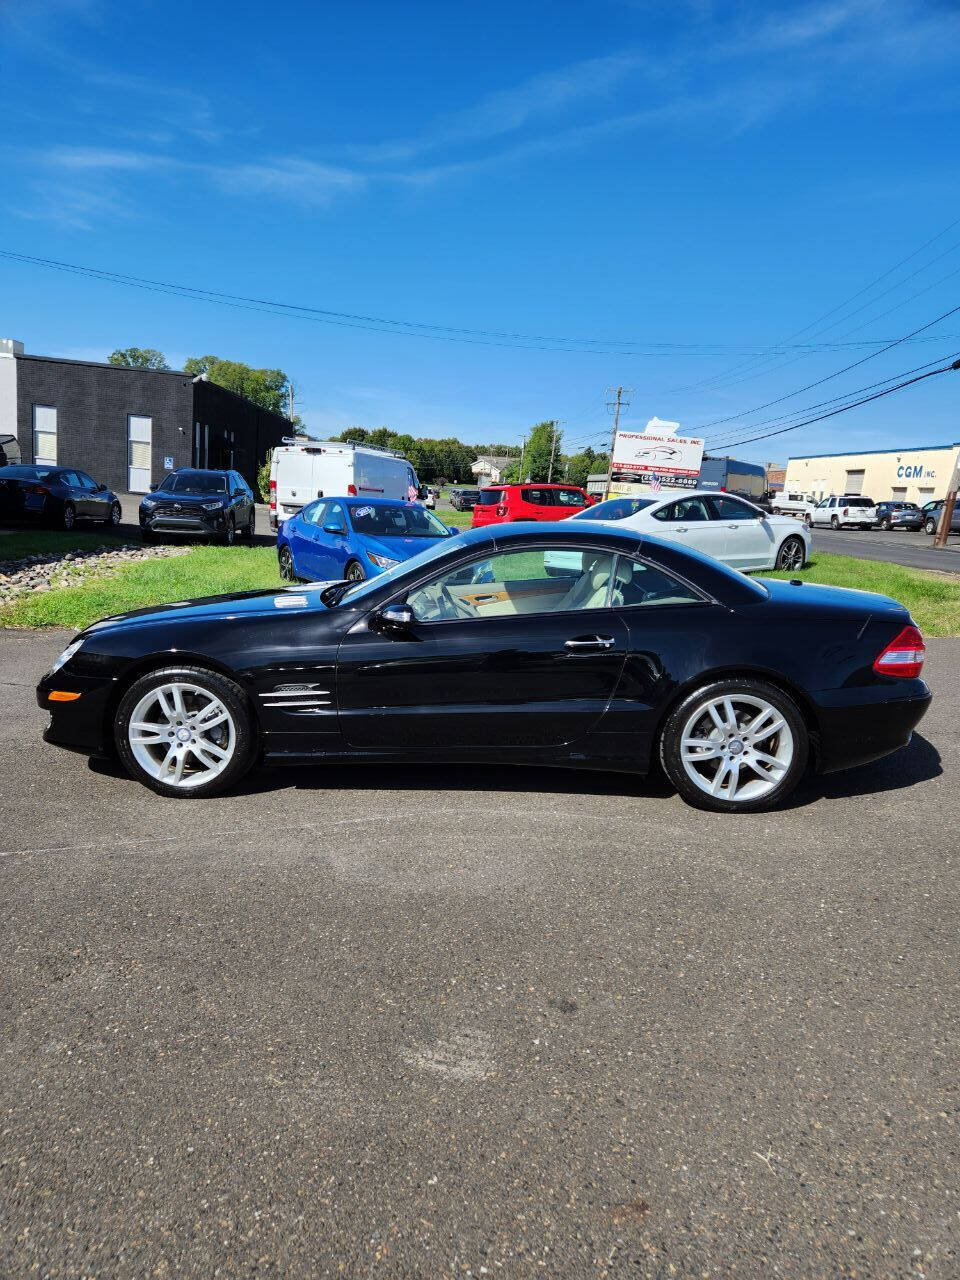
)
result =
(302, 470)
(792, 503)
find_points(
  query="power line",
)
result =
(833, 310)
(766, 435)
(733, 417)
(411, 328)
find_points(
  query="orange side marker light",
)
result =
(61, 695)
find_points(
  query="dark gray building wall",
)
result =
(234, 432)
(194, 423)
(92, 403)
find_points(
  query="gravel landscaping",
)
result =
(47, 571)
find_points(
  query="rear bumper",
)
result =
(860, 725)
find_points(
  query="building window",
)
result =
(899, 493)
(44, 433)
(196, 444)
(139, 442)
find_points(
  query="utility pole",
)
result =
(290, 395)
(946, 515)
(553, 448)
(523, 446)
(615, 406)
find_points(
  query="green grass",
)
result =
(33, 542)
(455, 519)
(932, 598)
(203, 571)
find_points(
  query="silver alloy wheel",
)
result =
(69, 516)
(116, 514)
(791, 554)
(182, 734)
(286, 565)
(737, 747)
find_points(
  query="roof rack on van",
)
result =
(342, 444)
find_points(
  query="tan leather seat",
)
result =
(590, 589)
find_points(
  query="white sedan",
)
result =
(718, 524)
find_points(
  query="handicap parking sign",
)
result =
(168, 463)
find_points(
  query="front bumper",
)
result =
(81, 725)
(206, 524)
(861, 725)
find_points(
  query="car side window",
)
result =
(70, 478)
(518, 584)
(538, 497)
(686, 509)
(638, 583)
(86, 482)
(313, 514)
(569, 498)
(333, 515)
(732, 509)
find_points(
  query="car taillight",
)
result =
(846, 511)
(352, 490)
(903, 656)
(501, 510)
(273, 495)
(38, 488)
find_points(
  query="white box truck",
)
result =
(303, 470)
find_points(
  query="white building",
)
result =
(912, 474)
(489, 470)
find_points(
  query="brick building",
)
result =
(128, 427)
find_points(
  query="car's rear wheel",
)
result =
(834, 522)
(69, 517)
(116, 514)
(354, 572)
(735, 746)
(885, 524)
(930, 526)
(792, 554)
(287, 571)
(185, 731)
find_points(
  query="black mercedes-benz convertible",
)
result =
(575, 644)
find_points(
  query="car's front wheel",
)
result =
(792, 554)
(69, 517)
(354, 572)
(230, 532)
(116, 514)
(735, 746)
(930, 526)
(185, 731)
(885, 524)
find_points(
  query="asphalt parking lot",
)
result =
(452, 1022)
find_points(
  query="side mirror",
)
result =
(155, 485)
(334, 528)
(101, 488)
(396, 615)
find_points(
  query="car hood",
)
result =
(813, 597)
(185, 499)
(398, 548)
(235, 605)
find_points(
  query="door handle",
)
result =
(681, 528)
(591, 642)
(733, 526)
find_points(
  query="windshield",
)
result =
(395, 520)
(195, 482)
(614, 509)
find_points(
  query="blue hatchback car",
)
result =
(354, 538)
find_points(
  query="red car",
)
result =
(528, 502)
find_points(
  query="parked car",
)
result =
(644, 653)
(302, 470)
(846, 511)
(792, 502)
(508, 502)
(464, 499)
(931, 515)
(899, 515)
(354, 538)
(207, 504)
(55, 495)
(430, 498)
(730, 529)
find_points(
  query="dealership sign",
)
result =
(636, 452)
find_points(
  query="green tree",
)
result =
(266, 387)
(581, 465)
(539, 447)
(138, 358)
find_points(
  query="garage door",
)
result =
(854, 482)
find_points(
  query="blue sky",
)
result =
(712, 176)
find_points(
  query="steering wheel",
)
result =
(458, 608)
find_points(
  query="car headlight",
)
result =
(67, 654)
(148, 504)
(212, 506)
(382, 562)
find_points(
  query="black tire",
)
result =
(834, 522)
(808, 520)
(285, 560)
(251, 529)
(930, 527)
(115, 518)
(229, 693)
(787, 552)
(354, 572)
(885, 524)
(230, 532)
(670, 757)
(68, 517)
